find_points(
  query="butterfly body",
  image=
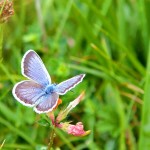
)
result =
(38, 91)
(50, 88)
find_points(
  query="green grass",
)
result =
(145, 124)
(109, 41)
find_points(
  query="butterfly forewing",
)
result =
(27, 92)
(47, 103)
(67, 85)
(33, 68)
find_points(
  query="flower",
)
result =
(76, 130)
(63, 114)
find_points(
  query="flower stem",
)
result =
(51, 139)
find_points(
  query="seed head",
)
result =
(6, 10)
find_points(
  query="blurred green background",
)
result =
(106, 39)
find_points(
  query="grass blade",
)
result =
(144, 143)
(17, 131)
(1, 41)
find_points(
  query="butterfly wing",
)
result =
(67, 85)
(27, 92)
(33, 68)
(47, 103)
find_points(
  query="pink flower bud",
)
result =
(77, 130)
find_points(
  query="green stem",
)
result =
(63, 22)
(120, 109)
(144, 141)
(52, 136)
(1, 40)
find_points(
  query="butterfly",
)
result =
(38, 92)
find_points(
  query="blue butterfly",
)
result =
(38, 91)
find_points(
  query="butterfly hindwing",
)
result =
(27, 92)
(47, 103)
(33, 68)
(63, 87)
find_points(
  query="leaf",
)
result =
(43, 122)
